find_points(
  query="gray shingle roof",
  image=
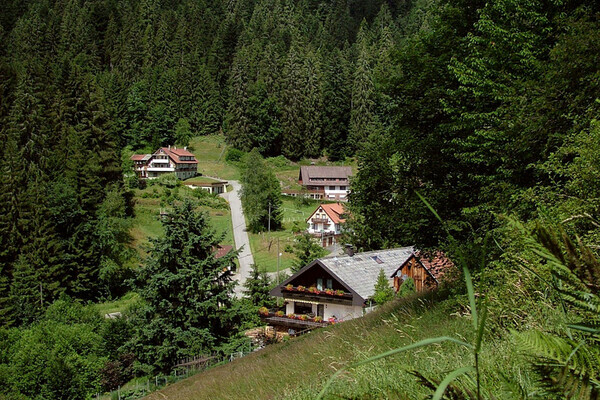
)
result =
(313, 171)
(360, 271)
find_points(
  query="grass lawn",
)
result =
(210, 152)
(147, 224)
(264, 247)
(119, 305)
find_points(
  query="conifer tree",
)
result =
(362, 114)
(261, 194)
(188, 293)
(257, 287)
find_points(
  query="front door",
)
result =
(321, 310)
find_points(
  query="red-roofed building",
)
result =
(166, 160)
(326, 223)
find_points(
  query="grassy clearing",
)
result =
(119, 305)
(264, 246)
(210, 152)
(297, 369)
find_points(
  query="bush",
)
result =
(278, 162)
(234, 155)
(407, 288)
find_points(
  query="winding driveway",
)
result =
(240, 237)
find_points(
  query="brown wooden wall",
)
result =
(415, 270)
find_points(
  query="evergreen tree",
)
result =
(257, 288)
(306, 249)
(261, 194)
(188, 293)
(383, 290)
(362, 114)
(336, 105)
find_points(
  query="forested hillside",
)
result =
(487, 110)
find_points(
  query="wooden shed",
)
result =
(426, 270)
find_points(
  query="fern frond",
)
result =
(563, 365)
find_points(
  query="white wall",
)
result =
(341, 312)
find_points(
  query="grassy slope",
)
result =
(267, 258)
(297, 369)
(210, 153)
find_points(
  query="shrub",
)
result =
(278, 162)
(234, 155)
(407, 288)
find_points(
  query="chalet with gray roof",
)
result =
(341, 287)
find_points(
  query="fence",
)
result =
(184, 368)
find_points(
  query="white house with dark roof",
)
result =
(326, 182)
(340, 287)
(166, 160)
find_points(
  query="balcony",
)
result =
(315, 295)
(160, 168)
(293, 321)
(320, 221)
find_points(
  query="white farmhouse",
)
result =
(326, 223)
(166, 160)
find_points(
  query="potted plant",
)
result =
(339, 292)
(289, 287)
(291, 316)
(263, 311)
(280, 313)
(329, 292)
(318, 318)
(303, 317)
(314, 290)
(332, 320)
(301, 288)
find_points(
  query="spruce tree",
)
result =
(187, 292)
(261, 194)
(257, 288)
(362, 114)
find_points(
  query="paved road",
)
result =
(240, 236)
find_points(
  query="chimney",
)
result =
(169, 147)
(349, 250)
(185, 147)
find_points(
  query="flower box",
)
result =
(329, 292)
(289, 287)
(303, 317)
(263, 311)
(280, 313)
(339, 293)
(318, 319)
(314, 290)
(291, 316)
(301, 288)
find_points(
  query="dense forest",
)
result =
(485, 109)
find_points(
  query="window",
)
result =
(342, 187)
(302, 308)
(320, 284)
(329, 283)
(331, 187)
